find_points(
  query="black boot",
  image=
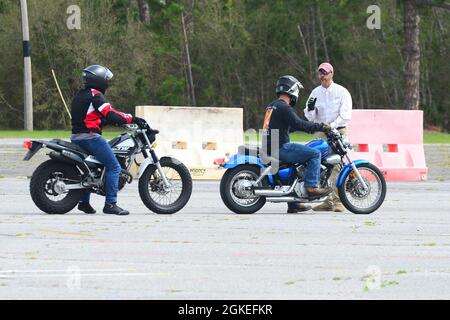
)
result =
(114, 209)
(86, 207)
(298, 207)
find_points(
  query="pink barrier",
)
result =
(390, 139)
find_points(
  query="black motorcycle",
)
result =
(57, 185)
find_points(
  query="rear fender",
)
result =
(35, 147)
(241, 159)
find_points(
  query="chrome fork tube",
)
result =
(358, 175)
(166, 182)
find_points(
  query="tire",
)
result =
(227, 197)
(182, 199)
(382, 193)
(40, 179)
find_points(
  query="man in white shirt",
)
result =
(329, 103)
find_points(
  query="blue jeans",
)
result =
(100, 149)
(299, 153)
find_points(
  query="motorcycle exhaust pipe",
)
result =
(70, 158)
(291, 199)
(282, 199)
(275, 193)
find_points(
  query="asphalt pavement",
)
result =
(402, 251)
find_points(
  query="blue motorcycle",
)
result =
(250, 180)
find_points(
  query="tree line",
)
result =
(228, 53)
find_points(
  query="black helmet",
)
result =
(290, 86)
(97, 77)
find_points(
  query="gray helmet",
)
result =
(97, 77)
(290, 86)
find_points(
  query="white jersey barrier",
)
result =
(196, 135)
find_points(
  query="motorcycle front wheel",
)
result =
(156, 196)
(359, 200)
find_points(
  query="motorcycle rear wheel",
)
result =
(42, 187)
(229, 190)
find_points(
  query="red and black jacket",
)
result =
(90, 111)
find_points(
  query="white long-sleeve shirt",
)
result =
(333, 106)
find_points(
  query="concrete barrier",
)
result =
(196, 135)
(199, 137)
(392, 140)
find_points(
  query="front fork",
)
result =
(151, 153)
(356, 171)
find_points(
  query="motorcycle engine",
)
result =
(301, 172)
(300, 190)
(124, 161)
(124, 178)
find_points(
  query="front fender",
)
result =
(148, 162)
(346, 170)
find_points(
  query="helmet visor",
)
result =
(109, 75)
(295, 89)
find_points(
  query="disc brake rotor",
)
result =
(161, 194)
(157, 186)
(356, 188)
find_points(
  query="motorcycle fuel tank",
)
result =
(124, 144)
(320, 145)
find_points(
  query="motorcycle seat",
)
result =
(72, 146)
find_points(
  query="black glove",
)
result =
(311, 104)
(140, 122)
(326, 128)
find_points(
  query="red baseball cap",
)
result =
(326, 66)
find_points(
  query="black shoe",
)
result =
(114, 209)
(86, 208)
(316, 193)
(298, 207)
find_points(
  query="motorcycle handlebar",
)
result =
(135, 127)
(334, 133)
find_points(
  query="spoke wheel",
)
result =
(159, 198)
(356, 198)
(235, 189)
(47, 187)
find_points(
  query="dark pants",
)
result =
(100, 149)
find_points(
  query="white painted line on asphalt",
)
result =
(86, 275)
(65, 270)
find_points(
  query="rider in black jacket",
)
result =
(90, 111)
(280, 119)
